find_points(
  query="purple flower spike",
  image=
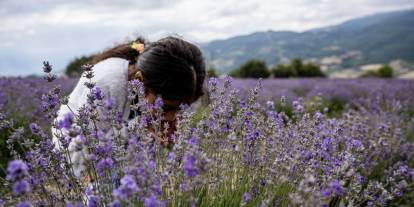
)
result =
(193, 141)
(21, 187)
(98, 94)
(16, 170)
(247, 197)
(24, 204)
(78, 204)
(34, 128)
(190, 167)
(158, 103)
(109, 103)
(151, 201)
(127, 189)
(66, 122)
(106, 163)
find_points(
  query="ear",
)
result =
(139, 76)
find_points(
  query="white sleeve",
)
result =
(111, 76)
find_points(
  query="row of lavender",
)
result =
(20, 97)
(343, 89)
(243, 151)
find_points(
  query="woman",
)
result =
(170, 67)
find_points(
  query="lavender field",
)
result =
(287, 142)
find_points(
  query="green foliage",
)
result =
(5, 155)
(4, 152)
(287, 109)
(297, 65)
(384, 71)
(232, 190)
(335, 106)
(311, 70)
(252, 69)
(200, 114)
(284, 71)
(296, 68)
(73, 69)
(211, 72)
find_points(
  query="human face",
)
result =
(170, 107)
(170, 110)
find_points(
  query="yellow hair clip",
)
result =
(138, 47)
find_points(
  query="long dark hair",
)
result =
(172, 67)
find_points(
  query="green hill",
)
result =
(378, 38)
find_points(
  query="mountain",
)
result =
(376, 39)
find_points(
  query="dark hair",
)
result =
(172, 67)
(123, 50)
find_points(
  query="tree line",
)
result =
(296, 68)
(384, 71)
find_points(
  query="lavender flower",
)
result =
(152, 201)
(106, 163)
(247, 197)
(98, 94)
(34, 128)
(270, 105)
(16, 170)
(109, 103)
(115, 203)
(24, 204)
(158, 103)
(190, 166)
(127, 189)
(21, 187)
(47, 68)
(67, 121)
(76, 204)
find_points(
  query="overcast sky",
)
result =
(59, 30)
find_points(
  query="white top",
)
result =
(111, 75)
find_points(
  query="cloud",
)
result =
(59, 30)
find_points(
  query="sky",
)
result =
(59, 30)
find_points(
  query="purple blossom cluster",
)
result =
(17, 173)
(240, 150)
